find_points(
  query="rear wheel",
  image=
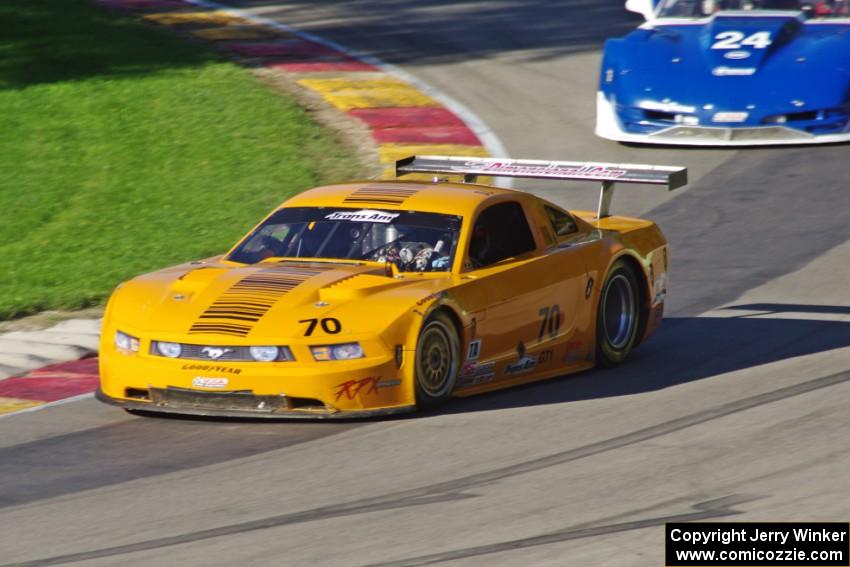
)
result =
(618, 315)
(437, 360)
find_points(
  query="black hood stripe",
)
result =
(241, 306)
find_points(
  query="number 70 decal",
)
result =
(550, 323)
(737, 40)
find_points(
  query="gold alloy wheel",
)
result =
(436, 359)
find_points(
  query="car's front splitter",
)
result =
(238, 405)
(608, 126)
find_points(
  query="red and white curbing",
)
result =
(25, 381)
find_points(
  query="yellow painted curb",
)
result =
(185, 18)
(348, 83)
(238, 32)
(390, 153)
(348, 93)
(11, 405)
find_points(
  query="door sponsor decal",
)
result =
(474, 350)
(474, 373)
(575, 351)
(523, 364)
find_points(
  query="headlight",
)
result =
(776, 119)
(171, 350)
(264, 353)
(345, 351)
(126, 342)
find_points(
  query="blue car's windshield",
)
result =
(704, 8)
(413, 241)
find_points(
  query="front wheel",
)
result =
(437, 361)
(618, 315)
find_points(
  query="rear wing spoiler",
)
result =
(608, 173)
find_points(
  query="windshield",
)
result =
(703, 8)
(413, 241)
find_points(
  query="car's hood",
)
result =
(736, 61)
(268, 299)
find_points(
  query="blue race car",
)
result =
(729, 72)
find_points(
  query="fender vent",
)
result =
(383, 194)
(236, 311)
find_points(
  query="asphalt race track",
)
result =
(737, 410)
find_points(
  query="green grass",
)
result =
(125, 148)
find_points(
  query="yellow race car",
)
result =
(380, 297)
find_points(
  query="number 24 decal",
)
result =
(329, 325)
(737, 40)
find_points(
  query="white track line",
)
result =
(48, 405)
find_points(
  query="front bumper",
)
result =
(608, 126)
(238, 405)
(379, 383)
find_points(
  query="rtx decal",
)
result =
(368, 385)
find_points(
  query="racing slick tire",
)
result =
(437, 361)
(617, 315)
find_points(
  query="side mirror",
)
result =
(645, 8)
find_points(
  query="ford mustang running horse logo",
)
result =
(215, 352)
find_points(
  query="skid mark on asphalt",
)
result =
(62, 465)
(709, 509)
(454, 489)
